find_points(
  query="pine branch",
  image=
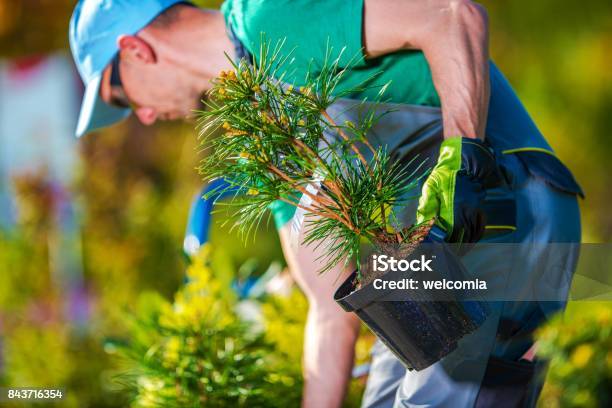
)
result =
(273, 144)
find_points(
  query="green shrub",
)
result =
(580, 351)
(197, 352)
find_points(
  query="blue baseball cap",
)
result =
(94, 28)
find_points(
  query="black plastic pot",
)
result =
(419, 326)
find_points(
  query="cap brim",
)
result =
(95, 113)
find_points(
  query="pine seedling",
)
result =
(279, 143)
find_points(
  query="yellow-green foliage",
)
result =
(580, 349)
(284, 324)
(197, 352)
(39, 358)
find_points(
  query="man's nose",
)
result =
(147, 116)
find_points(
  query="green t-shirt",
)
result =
(311, 28)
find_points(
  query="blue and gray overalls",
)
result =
(544, 209)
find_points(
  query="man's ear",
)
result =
(136, 49)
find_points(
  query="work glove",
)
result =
(453, 194)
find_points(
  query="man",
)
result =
(156, 58)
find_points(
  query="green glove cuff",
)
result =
(437, 197)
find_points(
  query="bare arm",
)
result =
(453, 35)
(331, 333)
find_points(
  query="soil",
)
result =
(395, 249)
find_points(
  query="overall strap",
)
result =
(240, 50)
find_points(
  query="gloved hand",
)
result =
(454, 191)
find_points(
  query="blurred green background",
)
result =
(134, 185)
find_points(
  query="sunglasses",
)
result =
(118, 97)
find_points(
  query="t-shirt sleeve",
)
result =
(309, 28)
